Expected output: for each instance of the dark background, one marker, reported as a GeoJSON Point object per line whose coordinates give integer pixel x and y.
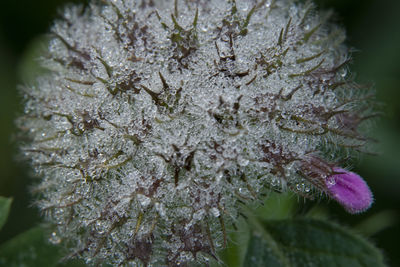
{"type": "Point", "coordinates": [373, 29]}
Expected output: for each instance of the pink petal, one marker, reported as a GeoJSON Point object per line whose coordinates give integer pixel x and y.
{"type": "Point", "coordinates": [350, 190]}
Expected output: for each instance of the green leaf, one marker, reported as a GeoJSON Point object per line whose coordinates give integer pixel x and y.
{"type": "Point", "coordinates": [305, 242]}
{"type": "Point", "coordinates": [32, 249]}
{"type": "Point", "coordinates": [377, 222]}
{"type": "Point", "coordinates": [29, 249]}
{"type": "Point", "coordinates": [5, 204]}
{"type": "Point", "coordinates": [235, 250]}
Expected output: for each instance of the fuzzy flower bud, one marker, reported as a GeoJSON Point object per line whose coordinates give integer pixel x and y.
{"type": "Point", "coordinates": [350, 190]}
{"type": "Point", "coordinates": [157, 119]}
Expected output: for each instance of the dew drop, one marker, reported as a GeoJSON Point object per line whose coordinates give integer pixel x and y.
{"type": "Point", "coordinates": [343, 72]}
{"type": "Point", "coordinates": [331, 181]}
{"type": "Point", "coordinates": [81, 126]}
{"type": "Point", "coordinates": [100, 227]}
{"type": "Point", "coordinates": [54, 238]}
{"type": "Point", "coordinates": [275, 181]}
{"type": "Point", "coordinates": [242, 161]}
{"type": "Point", "coordinates": [214, 211]}
{"type": "Point", "coordinates": [204, 28]}
{"type": "Point", "coordinates": [298, 187]}
{"type": "Point", "coordinates": [144, 200]}
{"type": "Point", "coordinates": [219, 176]}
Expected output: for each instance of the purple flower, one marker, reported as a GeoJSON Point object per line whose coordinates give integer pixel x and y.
{"type": "Point", "coordinates": [350, 190]}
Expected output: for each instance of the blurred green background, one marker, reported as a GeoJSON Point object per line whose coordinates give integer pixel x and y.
{"type": "Point", "coordinates": [373, 28]}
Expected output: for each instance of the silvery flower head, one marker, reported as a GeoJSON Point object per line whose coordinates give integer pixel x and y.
{"type": "Point", "coordinates": [157, 119]}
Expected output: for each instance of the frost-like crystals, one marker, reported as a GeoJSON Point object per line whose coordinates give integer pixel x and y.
{"type": "Point", "coordinates": [350, 190]}
{"type": "Point", "coordinates": [157, 119]}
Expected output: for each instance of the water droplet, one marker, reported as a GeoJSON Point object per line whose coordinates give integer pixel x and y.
{"type": "Point", "coordinates": [331, 181]}
{"type": "Point", "coordinates": [161, 209]}
{"type": "Point", "coordinates": [214, 211]}
{"type": "Point", "coordinates": [242, 161]}
{"type": "Point", "coordinates": [81, 126]}
{"type": "Point", "coordinates": [298, 187]}
{"type": "Point", "coordinates": [144, 201]}
{"type": "Point", "coordinates": [54, 238]}
{"type": "Point", "coordinates": [198, 216]}
{"type": "Point", "coordinates": [219, 176]}
{"type": "Point", "coordinates": [100, 227]}
{"type": "Point", "coordinates": [343, 72]}
{"type": "Point", "coordinates": [275, 181]}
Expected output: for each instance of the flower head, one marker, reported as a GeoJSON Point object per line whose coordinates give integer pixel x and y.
{"type": "Point", "coordinates": [158, 118]}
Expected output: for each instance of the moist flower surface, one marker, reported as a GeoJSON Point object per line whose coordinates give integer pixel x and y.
{"type": "Point", "coordinates": [156, 120]}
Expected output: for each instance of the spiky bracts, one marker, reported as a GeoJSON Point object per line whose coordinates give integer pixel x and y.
{"type": "Point", "coordinates": [158, 118]}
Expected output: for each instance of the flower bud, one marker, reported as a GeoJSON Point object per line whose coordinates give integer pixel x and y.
{"type": "Point", "coordinates": [350, 190]}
